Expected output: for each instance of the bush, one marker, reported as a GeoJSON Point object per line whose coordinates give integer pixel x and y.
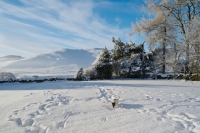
{"type": "Point", "coordinates": [91, 73]}
{"type": "Point", "coordinates": [7, 76]}
{"type": "Point", "coordinates": [195, 77]}
{"type": "Point", "coordinates": [79, 75]}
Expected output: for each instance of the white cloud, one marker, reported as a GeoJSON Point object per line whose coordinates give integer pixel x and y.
{"type": "Point", "coordinates": [44, 25]}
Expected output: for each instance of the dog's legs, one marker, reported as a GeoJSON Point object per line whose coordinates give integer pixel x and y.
{"type": "Point", "coordinates": [113, 104]}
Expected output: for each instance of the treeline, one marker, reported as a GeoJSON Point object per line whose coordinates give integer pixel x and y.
{"type": "Point", "coordinates": [128, 60]}
{"type": "Point", "coordinates": [125, 60]}
{"type": "Point", "coordinates": [11, 80]}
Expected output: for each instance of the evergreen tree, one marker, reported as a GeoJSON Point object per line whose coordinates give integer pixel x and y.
{"type": "Point", "coordinates": [119, 48]}
{"type": "Point", "coordinates": [131, 60]}
{"type": "Point", "coordinates": [104, 65]}
{"type": "Point", "coordinates": [118, 54]}
{"type": "Point", "coordinates": [79, 74]}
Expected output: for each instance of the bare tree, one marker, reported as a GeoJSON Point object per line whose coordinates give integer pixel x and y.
{"type": "Point", "coordinates": [184, 14]}
{"type": "Point", "coordinates": [169, 17]}
{"type": "Point", "coordinates": [159, 29]}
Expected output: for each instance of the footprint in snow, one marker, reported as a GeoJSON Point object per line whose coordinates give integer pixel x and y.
{"type": "Point", "coordinates": [104, 119]}
{"type": "Point", "coordinates": [38, 110]}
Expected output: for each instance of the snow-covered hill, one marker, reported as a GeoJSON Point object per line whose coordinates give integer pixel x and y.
{"type": "Point", "coordinates": [5, 60]}
{"type": "Point", "coordinates": [62, 61]}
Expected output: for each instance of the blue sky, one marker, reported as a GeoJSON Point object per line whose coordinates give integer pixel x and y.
{"type": "Point", "coordinates": [31, 27]}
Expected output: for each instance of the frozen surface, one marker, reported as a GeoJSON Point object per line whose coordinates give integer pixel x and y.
{"type": "Point", "coordinates": [145, 106]}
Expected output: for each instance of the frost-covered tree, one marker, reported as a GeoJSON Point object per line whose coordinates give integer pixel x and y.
{"type": "Point", "coordinates": [123, 62]}
{"type": "Point", "coordinates": [158, 28]}
{"type": "Point", "coordinates": [91, 72]}
{"type": "Point", "coordinates": [136, 60]}
{"type": "Point", "coordinates": [6, 76]}
{"type": "Point", "coordinates": [173, 59]}
{"type": "Point", "coordinates": [117, 55]}
{"type": "Point", "coordinates": [104, 65]}
{"type": "Point", "coordinates": [131, 61]}
{"type": "Point", "coordinates": [184, 13]}
{"type": "Point", "coordinates": [173, 23]}
{"type": "Point", "coordinates": [118, 51]}
{"type": "Point", "coordinates": [194, 42]}
{"type": "Point", "coordinates": [79, 75]}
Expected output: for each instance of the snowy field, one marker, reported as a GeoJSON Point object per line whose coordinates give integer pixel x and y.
{"type": "Point", "coordinates": [145, 106]}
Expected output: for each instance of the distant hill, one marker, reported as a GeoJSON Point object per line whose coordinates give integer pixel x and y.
{"type": "Point", "coordinates": [5, 60]}
{"type": "Point", "coordinates": [11, 57]}
{"type": "Point", "coordinates": [62, 61]}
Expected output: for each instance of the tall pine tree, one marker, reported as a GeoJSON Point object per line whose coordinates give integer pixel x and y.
{"type": "Point", "coordinates": [104, 65]}
{"type": "Point", "coordinates": [117, 55]}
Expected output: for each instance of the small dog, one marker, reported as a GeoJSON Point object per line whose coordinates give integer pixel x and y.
{"type": "Point", "coordinates": [115, 103]}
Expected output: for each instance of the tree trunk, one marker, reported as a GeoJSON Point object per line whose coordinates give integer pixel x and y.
{"type": "Point", "coordinates": [164, 50]}
{"type": "Point", "coordinates": [197, 51]}
{"type": "Point", "coordinates": [187, 51]}
{"type": "Point", "coordinates": [187, 43]}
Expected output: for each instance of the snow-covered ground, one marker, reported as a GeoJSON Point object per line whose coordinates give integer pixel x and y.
{"type": "Point", "coordinates": [145, 106]}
